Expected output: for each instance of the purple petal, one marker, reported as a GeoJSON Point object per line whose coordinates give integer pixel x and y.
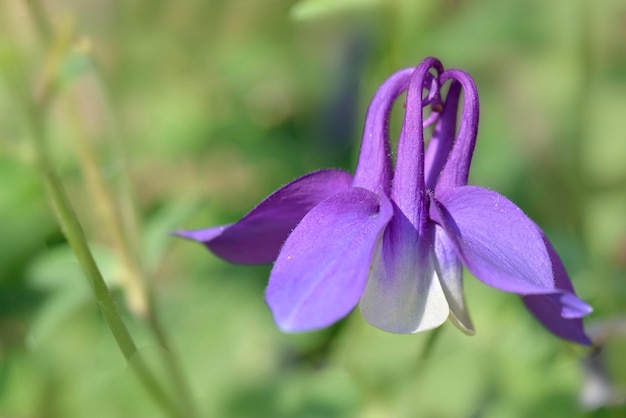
{"type": "Point", "coordinates": [502, 247]}
{"type": "Point", "coordinates": [450, 273]}
{"type": "Point", "coordinates": [203, 235]}
{"type": "Point", "coordinates": [321, 271]}
{"type": "Point", "coordinates": [548, 309]}
{"type": "Point", "coordinates": [258, 236]}
{"type": "Point", "coordinates": [560, 313]}
{"type": "Point", "coordinates": [403, 294]}
{"type": "Point", "coordinates": [497, 242]}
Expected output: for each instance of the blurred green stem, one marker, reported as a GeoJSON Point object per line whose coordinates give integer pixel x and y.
{"type": "Point", "coordinates": [35, 111]}
{"type": "Point", "coordinates": [76, 238]}
{"type": "Point", "coordinates": [109, 218]}
{"type": "Point", "coordinates": [433, 337]}
{"type": "Point", "coordinates": [140, 297]}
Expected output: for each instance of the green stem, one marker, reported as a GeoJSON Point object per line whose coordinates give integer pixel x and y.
{"type": "Point", "coordinates": [433, 337]}
{"type": "Point", "coordinates": [76, 238]}
{"type": "Point", "coordinates": [141, 298]}
{"type": "Point", "coordinates": [139, 294]}
{"type": "Point", "coordinates": [173, 367]}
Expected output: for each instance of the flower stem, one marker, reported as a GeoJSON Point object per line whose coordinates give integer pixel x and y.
{"type": "Point", "coordinates": [122, 235]}
{"type": "Point", "coordinates": [34, 110]}
{"type": "Point", "coordinates": [433, 337]}
{"type": "Point", "coordinates": [140, 298]}
{"type": "Point", "coordinates": [173, 366]}
{"type": "Point", "coordinates": [76, 238]}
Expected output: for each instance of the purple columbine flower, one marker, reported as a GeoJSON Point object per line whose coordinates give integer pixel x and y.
{"type": "Point", "coordinates": [396, 242]}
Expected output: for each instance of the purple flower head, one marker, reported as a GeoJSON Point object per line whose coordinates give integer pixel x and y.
{"type": "Point", "coordinates": [395, 239]}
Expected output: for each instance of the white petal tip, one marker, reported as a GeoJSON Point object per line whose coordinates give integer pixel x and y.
{"type": "Point", "coordinates": [464, 325]}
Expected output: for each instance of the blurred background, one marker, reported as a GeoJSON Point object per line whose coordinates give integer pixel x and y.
{"type": "Point", "coordinates": [168, 115]}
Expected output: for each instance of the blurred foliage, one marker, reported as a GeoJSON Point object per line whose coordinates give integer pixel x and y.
{"type": "Point", "coordinates": [198, 109]}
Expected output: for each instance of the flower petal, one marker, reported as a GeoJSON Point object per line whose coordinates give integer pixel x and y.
{"type": "Point", "coordinates": [403, 294]}
{"type": "Point", "coordinates": [560, 313]}
{"type": "Point", "coordinates": [548, 310]}
{"type": "Point", "coordinates": [497, 242]}
{"type": "Point", "coordinates": [450, 273]}
{"type": "Point", "coordinates": [502, 247]}
{"type": "Point", "coordinates": [203, 235]}
{"type": "Point", "coordinates": [258, 236]}
{"type": "Point", "coordinates": [321, 271]}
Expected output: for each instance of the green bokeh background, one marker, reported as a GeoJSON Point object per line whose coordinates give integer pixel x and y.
{"type": "Point", "coordinates": [208, 106]}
